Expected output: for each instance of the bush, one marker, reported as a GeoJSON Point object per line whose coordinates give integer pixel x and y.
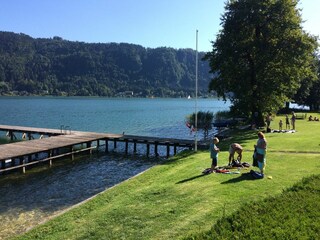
{"type": "Point", "coordinates": [204, 121]}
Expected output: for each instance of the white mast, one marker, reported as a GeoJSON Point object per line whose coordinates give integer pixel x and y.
{"type": "Point", "coordinates": [196, 101]}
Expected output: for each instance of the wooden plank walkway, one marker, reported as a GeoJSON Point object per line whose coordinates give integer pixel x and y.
{"type": "Point", "coordinates": [21, 154]}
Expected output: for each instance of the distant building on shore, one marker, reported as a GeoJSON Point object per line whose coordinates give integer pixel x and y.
{"type": "Point", "coordinates": [125, 94]}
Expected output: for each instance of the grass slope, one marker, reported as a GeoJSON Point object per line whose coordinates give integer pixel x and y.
{"type": "Point", "coordinates": [174, 200]}
{"type": "Point", "coordinates": [292, 215]}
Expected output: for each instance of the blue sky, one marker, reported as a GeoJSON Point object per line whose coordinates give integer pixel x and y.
{"type": "Point", "coordinates": [150, 23]}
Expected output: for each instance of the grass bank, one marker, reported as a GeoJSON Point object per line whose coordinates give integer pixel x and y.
{"type": "Point", "coordinates": [174, 200]}
{"type": "Point", "coordinates": [292, 215]}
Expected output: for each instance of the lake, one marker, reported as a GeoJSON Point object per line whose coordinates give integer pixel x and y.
{"type": "Point", "coordinates": [145, 116]}
{"type": "Point", "coordinates": [28, 199]}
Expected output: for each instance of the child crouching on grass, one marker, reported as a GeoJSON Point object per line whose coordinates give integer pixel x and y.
{"type": "Point", "coordinates": [214, 151]}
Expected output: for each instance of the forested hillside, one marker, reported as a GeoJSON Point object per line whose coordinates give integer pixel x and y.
{"type": "Point", "coordinates": [55, 66]}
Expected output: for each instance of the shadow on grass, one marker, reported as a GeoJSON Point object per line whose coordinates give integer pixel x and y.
{"type": "Point", "coordinates": [242, 177]}
{"type": "Point", "coordinates": [180, 156]}
{"type": "Point", "coordinates": [192, 178]}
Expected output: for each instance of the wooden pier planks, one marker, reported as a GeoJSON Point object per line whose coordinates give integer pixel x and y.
{"type": "Point", "coordinates": [46, 131]}
{"type": "Point", "coordinates": [56, 139]}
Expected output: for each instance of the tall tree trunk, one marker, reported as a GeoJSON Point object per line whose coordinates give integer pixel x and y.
{"type": "Point", "coordinates": [257, 118]}
{"type": "Point", "coordinates": [256, 113]}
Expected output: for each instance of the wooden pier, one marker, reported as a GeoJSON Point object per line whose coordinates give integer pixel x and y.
{"type": "Point", "coordinates": [57, 143]}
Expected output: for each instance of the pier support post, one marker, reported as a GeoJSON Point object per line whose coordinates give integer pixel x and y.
{"type": "Point", "coordinates": [134, 146]}
{"type": "Point", "coordinates": [89, 146]}
{"type": "Point", "coordinates": [12, 136]}
{"type": "Point", "coordinates": [148, 149]}
{"type": "Point", "coordinates": [24, 168]}
{"type": "Point", "coordinates": [175, 149]}
{"type": "Point", "coordinates": [107, 146]}
{"type": "Point", "coordinates": [21, 163]}
{"type": "Point", "coordinates": [156, 149]}
{"type": "Point", "coordinates": [49, 156]}
{"type": "Point", "coordinates": [98, 145]}
{"type": "Point", "coordinates": [168, 150]}
{"type": "Point", "coordinates": [127, 146]}
{"type": "Point", "coordinates": [29, 136]}
{"type": "Point", "coordinates": [72, 154]}
{"type": "Point", "coordinates": [3, 164]}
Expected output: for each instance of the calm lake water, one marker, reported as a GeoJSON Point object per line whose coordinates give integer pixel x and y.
{"type": "Point", "coordinates": [152, 117]}
{"type": "Point", "coordinates": [28, 199]}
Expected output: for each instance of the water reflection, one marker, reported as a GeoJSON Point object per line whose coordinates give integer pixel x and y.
{"type": "Point", "coordinates": [26, 200]}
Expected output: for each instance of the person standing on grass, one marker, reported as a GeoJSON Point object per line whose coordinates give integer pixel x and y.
{"type": "Point", "coordinates": [293, 121]}
{"type": "Point", "coordinates": [235, 148]}
{"type": "Point", "coordinates": [214, 151]}
{"type": "Point", "coordinates": [280, 125]}
{"type": "Point", "coordinates": [268, 120]}
{"type": "Point", "coordinates": [260, 151]}
{"type": "Point", "coordinates": [287, 122]}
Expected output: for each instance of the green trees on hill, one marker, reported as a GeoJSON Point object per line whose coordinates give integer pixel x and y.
{"type": "Point", "coordinates": [59, 67]}
{"type": "Point", "coordinates": [262, 55]}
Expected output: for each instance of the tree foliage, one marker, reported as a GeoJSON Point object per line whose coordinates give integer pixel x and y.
{"type": "Point", "coordinates": [59, 67]}
{"type": "Point", "coordinates": [309, 92]}
{"type": "Point", "coordinates": [261, 55]}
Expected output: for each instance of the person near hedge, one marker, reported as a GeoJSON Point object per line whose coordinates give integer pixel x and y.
{"type": "Point", "coordinates": [260, 152]}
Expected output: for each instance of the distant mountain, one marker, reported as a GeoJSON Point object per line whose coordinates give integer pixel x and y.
{"type": "Point", "coordinates": [30, 66]}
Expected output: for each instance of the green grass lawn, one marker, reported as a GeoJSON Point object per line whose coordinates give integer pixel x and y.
{"type": "Point", "coordinates": [174, 200]}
